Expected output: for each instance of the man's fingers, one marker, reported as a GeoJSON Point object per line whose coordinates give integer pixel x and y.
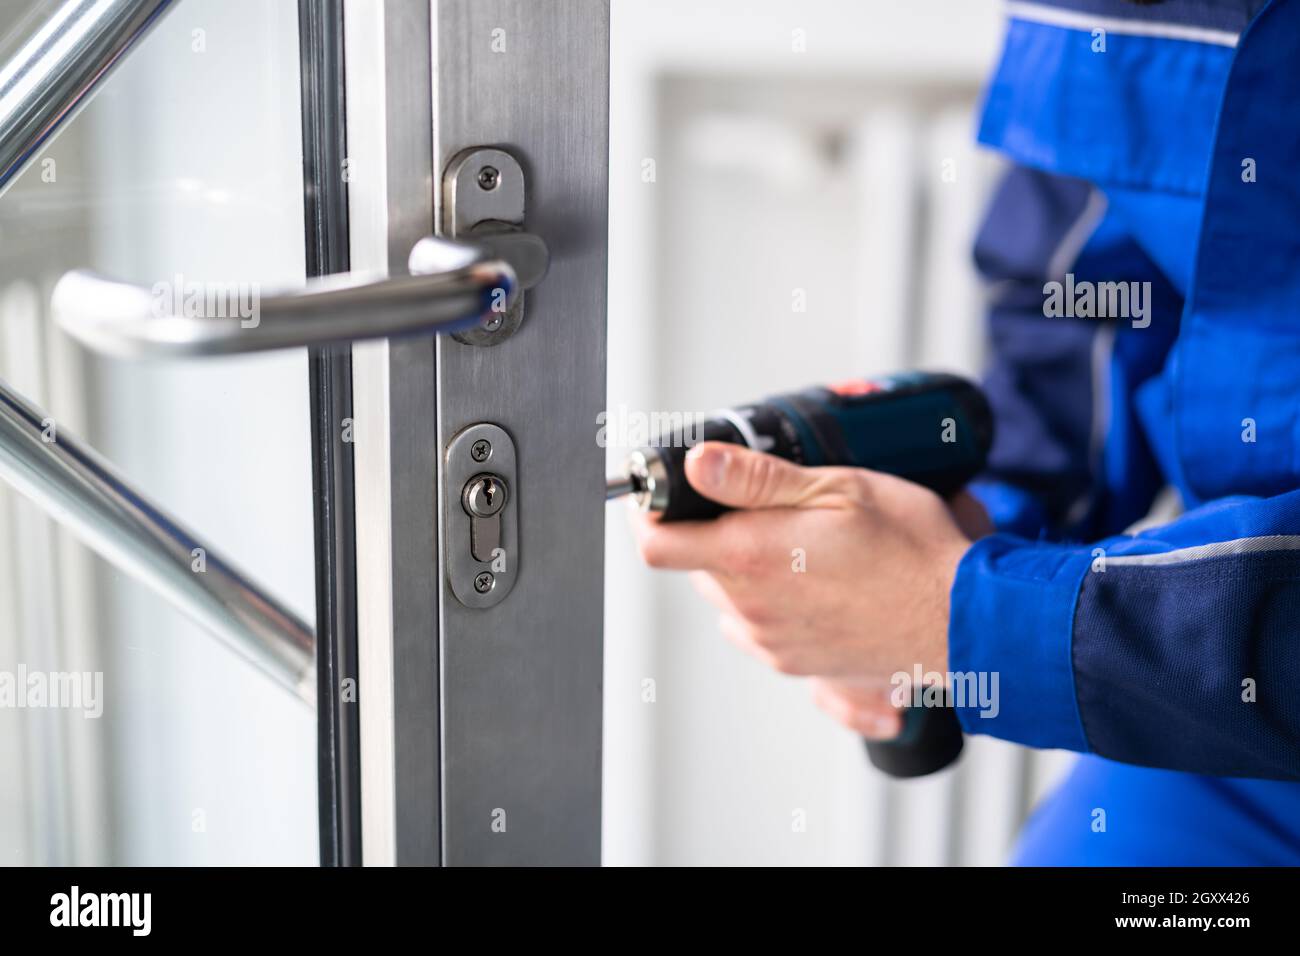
{"type": "Point", "coordinates": [748, 481]}
{"type": "Point", "coordinates": [742, 478]}
{"type": "Point", "coordinates": [970, 515]}
{"type": "Point", "coordinates": [680, 546]}
{"type": "Point", "coordinates": [707, 586]}
{"type": "Point", "coordinates": [864, 710]}
{"type": "Point", "coordinates": [739, 633]}
{"type": "Point", "coordinates": [736, 544]}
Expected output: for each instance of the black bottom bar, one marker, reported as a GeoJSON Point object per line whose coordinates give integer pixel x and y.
{"type": "Point", "coordinates": [946, 907]}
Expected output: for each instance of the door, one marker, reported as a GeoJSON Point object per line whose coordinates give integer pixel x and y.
{"type": "Point", "coordinates": [242, 148]}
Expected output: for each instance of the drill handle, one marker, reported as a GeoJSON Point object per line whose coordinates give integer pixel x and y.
{"type": "Point", "coordinates": [931, 740]}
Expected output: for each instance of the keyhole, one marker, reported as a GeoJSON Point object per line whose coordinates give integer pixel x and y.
{"type": "Point", "coordinates": [484, 496]}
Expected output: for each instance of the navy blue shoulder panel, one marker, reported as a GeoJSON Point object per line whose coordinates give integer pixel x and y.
{"type": "Point", "coordinates": [1048, 379]}
{"type": "Point", "coordinates": [1193, 666]}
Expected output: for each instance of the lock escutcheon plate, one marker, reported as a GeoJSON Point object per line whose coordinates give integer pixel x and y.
{"type": "Point", "coordinates": [480, 485]}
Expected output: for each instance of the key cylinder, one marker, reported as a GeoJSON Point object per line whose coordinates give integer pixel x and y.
{"type": "Point", "coordinates": [483, 499]}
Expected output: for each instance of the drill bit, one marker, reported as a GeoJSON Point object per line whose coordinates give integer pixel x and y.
{"type": "Point", "coordinates": [616, 486]}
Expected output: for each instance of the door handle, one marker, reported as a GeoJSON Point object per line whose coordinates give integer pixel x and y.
{"type": "Point", "coordinates": [452, 286]}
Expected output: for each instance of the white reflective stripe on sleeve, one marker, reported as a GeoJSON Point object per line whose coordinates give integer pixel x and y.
{"type": "Point", "coordinates": [1220, 549]}
{"type": "Point", "coordinates": [1078, 20]}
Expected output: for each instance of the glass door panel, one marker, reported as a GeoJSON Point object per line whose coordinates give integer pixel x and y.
{"type": "Point", "coordinates": [184, 174]}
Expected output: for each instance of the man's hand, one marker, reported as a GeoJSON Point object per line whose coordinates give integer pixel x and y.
{"type": "Point", "coordinates": [838, 573]}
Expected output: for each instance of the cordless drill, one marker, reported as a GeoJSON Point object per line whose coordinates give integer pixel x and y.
{"type": "Point", "coordinates": [931, 428]}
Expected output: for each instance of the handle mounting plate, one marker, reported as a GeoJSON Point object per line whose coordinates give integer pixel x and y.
{"type": "Point", "coordinates": [483, 196]}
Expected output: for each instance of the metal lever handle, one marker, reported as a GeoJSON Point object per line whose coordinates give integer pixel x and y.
{"type": "Point", "coordinates": [452, 287]}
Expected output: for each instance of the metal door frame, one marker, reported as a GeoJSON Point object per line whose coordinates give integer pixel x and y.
{"type": "Point", "coordinates": [325, 206]}
{"type": "Point", "coordinates": [480, 729]}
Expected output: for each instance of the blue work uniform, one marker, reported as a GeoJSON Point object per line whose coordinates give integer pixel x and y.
{"type": "Point", "coordinates": [1156, 155]}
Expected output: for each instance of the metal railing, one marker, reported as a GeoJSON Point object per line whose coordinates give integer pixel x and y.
{"type": "Point", "coordinates": [82, 491]}
{"type": "Point", "coordinates": [52, 76]}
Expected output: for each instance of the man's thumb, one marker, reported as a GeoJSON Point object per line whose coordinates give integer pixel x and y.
{"type": "Point", "coordinates": [742, 478]}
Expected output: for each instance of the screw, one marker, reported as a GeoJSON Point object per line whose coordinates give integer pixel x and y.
{"type": "Point", "coordinates": [488, 177]}
{"type": "Point", "coordinates": [480, 450]}
{"type": "Point", "coordinates": [493, 322]}
{"type": "Point", "coordinates": [483, 583]}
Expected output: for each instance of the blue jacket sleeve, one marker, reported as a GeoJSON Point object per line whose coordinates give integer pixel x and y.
{"type": "Point", "coordinates": [1176, 648]}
